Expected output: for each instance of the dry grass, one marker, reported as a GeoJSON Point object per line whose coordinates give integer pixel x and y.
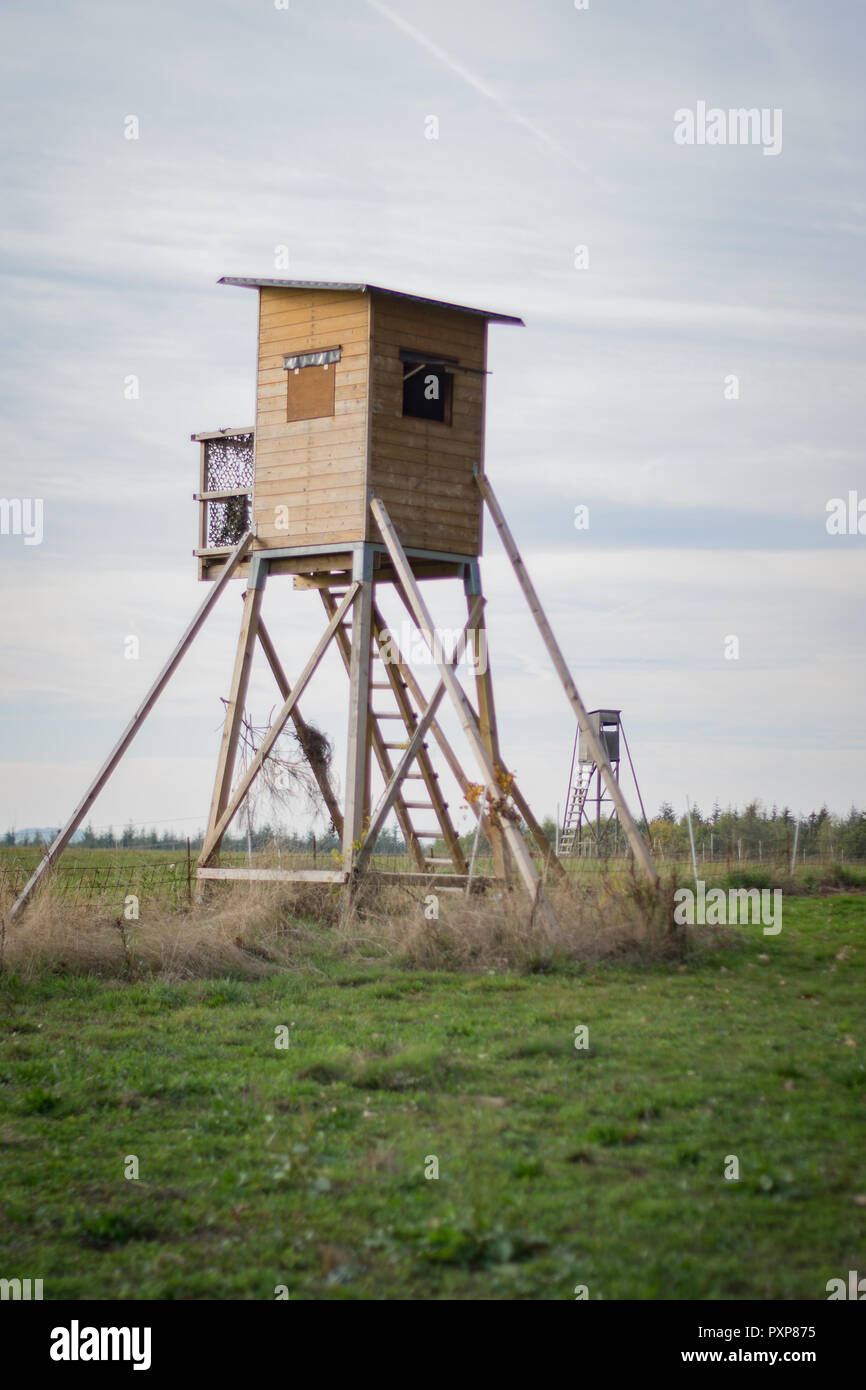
{"type": "Point", "coordinates": [250, 931]}
{"type": "Point", "coordinates": [238, 935]}
{"type": "Point", "coordinates": [499, 931]}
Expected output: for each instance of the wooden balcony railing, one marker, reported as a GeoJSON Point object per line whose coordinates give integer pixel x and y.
{"type": "Point", "coordinates": [225, 489]}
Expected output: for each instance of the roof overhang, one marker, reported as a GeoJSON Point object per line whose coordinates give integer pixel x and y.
{"type": "Point", "coordinates": [253, 283]}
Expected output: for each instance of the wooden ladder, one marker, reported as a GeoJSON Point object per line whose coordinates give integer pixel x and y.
{"type": "Point", "coordinates": [384, 741]}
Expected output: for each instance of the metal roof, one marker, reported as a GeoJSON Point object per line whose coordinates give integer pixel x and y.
{"type": "Point", "coordinates": [365, 289]}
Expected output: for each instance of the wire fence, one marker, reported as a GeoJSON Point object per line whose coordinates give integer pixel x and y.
{"type": "Point", "coordinates": [111, 883]}
{"type": "Point", "coordinates": [173, 882]}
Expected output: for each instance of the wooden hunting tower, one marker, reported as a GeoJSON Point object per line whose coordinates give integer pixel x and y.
{"type": "Point", "coordinates": [365, 466]}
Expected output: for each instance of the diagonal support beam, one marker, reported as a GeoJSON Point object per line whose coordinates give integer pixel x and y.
{"type": "Point", "coordinates": [381, 813]}
{"type": "Point", "coordinates": [65, 835]}
{"type": "Point", "coordinates": [457, 695]}
{"type": "Point", "coordinates": [596, 745]}
{"type": "Point", "coordinates": [276, 728]}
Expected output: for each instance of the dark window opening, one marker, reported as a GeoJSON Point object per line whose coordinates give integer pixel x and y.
{"type": "Point", "coordinates": [428, 387]}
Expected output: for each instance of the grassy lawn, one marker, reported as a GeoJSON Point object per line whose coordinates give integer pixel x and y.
{"type": "Point", "coordinates": [304, 1166]}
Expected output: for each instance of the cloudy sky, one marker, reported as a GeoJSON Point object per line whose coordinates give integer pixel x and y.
{"type": "Point", "coordinates": [307, 126]}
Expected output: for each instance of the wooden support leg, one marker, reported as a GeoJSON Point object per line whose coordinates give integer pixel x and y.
{"type": "Point", "coordinates": [514, 839]}
{"type": "Point", "coordinates": [234, 716]}
{"type": "Point", "coordinates": [357, 783]}
{"type": "Point", "coordinates": [489, 732]}
{"type": "Point", "coordinates": [593, 739]}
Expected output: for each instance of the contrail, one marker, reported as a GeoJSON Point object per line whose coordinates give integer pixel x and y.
{"type": "Point", "coordinates": [471, 80]}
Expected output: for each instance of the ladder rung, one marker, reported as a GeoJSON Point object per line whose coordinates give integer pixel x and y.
{"type": "Point", "coordinates": [404, 746]}
{"type": "Point", "coordinates": [384, 714]}
{"type": "Point", "coordinates": [380, 685]}
{"type": "Point", "coordinates": [430, 835]}
{"type": "Point", "coordinates": [417, 776]}
{"type": "Point", "coordinates": [419, 805]}
{"type": "Point", "coordinates": [428, 860]}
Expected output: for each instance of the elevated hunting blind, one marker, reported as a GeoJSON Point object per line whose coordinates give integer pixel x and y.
{"type": "Point", "coordinates": [365, 467]}
{"type": "Point", "coordinates": [359, 388]}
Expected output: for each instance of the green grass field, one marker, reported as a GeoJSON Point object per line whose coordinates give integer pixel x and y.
{"type": "Point", "coordinates": [304, 1166]}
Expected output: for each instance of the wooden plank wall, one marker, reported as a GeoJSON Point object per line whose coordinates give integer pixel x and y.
{"type": "Point", "coordinates": [316, 468]}
{"type": "Point", "coordinates": [422, 469]}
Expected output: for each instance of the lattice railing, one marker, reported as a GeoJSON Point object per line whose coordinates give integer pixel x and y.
{"type": "Point", "coordinates": [225, 496]}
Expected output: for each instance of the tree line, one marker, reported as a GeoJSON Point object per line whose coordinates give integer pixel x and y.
{"type": "Point", "coordinates": [758, 833]}
{"type": "Point", "coordinates": [752, 833]}
{"type": "Point", "coordinates": [263, 837]}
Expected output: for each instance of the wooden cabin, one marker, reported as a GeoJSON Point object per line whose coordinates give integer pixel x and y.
{"type": "Point", "coordinates": [358, 388]}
